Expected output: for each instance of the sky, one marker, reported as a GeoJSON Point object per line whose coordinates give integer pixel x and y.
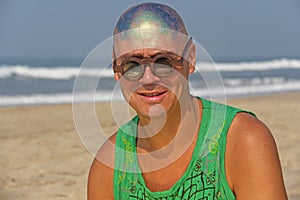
{"type": "Point", "coordinates": [65, 31]}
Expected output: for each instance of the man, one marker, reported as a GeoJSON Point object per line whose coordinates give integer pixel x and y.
{"type": "Point", "coordinates": [178, 146]}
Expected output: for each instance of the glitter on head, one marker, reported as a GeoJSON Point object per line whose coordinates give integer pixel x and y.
{"type": "Point", "coordinates": [150, 15]}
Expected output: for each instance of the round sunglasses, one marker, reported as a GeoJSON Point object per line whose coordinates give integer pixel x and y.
{"type": "Point", "coordinates": [162, 65]}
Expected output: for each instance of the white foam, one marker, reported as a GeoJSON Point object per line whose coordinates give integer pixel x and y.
{"type": "Point", "coordinates": [247, 90]}
{"type": "Point", "coordinates": [283, 63]}
{"type": "Point", "coordinates": [56, 73]}
{"type": "Point", "coordinates": [64, 73]}
{"type": "Point", "coordinates": [230, 91]}
{"type": "Point", "coordinates": [253, 81]}
{"type": "Point", "coordinates": [38, 99]}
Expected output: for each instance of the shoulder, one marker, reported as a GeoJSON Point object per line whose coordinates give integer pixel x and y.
{"type": "Point", "coordinates": [100, 180]}
{"type": "Point", "coordinates": [247, 132]}
{"type": "Point", "coordinates": [248, 129]}
{"type": "Point", "coordinates": [253, 165]}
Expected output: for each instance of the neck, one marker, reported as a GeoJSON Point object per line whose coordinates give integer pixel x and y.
{"type": "Point", "coordinates": [175, 129]}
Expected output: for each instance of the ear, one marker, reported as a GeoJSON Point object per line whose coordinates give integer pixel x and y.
{"type": "Point", "coordinates": [192, 58]}
{"type": "Point", "coordinates": [117, 76]}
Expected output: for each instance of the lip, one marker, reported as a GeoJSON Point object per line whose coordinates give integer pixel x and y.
{"type": "Point", "coordinates": [153, 96]}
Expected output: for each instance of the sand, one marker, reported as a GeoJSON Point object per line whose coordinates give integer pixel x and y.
{"type": "Point", "coordinates": [42, 156]}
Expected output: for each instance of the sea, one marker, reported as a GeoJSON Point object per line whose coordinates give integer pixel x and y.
{"type": "Point", "coordinates": [26, 84]}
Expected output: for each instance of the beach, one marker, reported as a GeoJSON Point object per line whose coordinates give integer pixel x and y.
{"type": "Point", "coordinates": [42, 156]}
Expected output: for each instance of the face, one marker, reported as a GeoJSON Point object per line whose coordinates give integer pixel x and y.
{"type": "Point", "coordinates": [155, 93]}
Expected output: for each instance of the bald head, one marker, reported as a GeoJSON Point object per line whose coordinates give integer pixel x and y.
{"type": "Point", "coordinates": [150, 15]}
{"type": "Point", "coordinates": [149, 26]}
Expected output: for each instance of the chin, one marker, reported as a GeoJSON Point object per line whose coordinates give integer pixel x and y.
{"type": "Point", "coordinates": [155, 111]}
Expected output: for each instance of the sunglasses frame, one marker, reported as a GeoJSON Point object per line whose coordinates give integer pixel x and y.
{"type": "Point", "coordinates": [144, 62]}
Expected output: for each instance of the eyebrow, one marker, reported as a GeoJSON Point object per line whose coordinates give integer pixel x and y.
{"type": "Point", "coordinates": [140, 55]}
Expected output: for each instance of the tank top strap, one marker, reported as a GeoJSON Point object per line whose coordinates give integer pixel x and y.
{"type": "Point", "coordinates": [126, 166]}
{"type": "Point", "coordinates": [218, 120]}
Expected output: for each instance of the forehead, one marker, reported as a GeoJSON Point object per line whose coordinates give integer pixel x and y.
{"type": "Point", "coordinates": [154, 41]}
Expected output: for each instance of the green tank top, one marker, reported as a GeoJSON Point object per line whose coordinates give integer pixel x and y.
{"type": "Point", "coordinates": [205, 176]}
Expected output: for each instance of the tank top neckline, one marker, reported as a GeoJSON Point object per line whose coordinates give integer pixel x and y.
{"type": "Point", "coordinates": [201, 134]}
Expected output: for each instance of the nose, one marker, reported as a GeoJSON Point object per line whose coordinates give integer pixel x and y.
{"type": "Point", "coordinates": [148, 76]}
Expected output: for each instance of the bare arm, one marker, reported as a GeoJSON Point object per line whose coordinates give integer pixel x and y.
{"type": "Point", "coordinates": [100, 181]}
{"type": "Point", "coordinates": [253, 166]}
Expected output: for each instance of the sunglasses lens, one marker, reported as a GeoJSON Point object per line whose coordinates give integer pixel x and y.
{"type": "Point", "coordinates": [163, 66]}
{"type": "Point", "coordinates": [132, 70]}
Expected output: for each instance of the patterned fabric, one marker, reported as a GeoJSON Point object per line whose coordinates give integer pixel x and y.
{"type": "Point", "coordinates": [204, 178]}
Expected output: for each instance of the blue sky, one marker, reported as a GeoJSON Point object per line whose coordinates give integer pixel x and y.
{"type": "Point", "coordinates": [68, 30]}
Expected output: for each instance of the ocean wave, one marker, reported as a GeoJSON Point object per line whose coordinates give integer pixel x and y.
{"type": "Point", "coordinates": [248, 90]}
{"type": "Point", "coordinates": [59, 98]}
{"type": "Point", "coordinates": [65, 73]}
{"type": "Point", "coordinates": [283, 63]}
{"type": "Point", "coordinates": [254, 81]}
{"type": "Point", "coordinates": [53, 73]}
{"type": "Point", "coordinates": [109, 95]}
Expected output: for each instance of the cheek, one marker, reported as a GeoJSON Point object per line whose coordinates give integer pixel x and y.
{"type": "Point", "coordinates": [177, 83]}
{"type": "Point", "coordinates": [127, 88]}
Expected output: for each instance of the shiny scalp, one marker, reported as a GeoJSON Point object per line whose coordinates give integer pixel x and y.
{"type": "Point", "coordinates": [150, 15]}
